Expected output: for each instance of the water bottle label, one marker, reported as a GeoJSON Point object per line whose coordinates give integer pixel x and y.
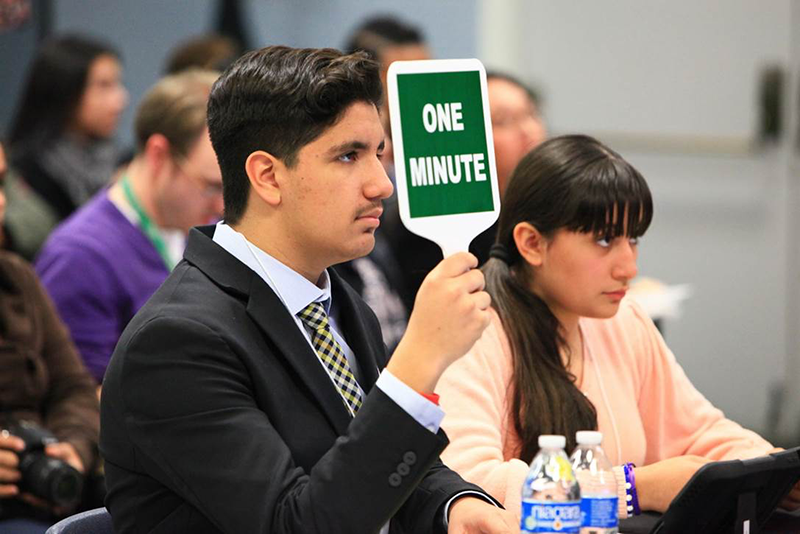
{"type": "Point", "coordinates": [548, 516]}
{"type": "Point", "coordinates": [599, 512]}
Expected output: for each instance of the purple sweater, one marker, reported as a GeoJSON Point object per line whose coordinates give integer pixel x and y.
{"type": "Point", "coordinates": [99, 270]}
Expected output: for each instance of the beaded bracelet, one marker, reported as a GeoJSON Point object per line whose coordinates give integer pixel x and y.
{"type": "Point", "coordinates": [631, 496]}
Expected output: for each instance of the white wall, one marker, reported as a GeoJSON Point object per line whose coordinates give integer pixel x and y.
{"type": "Point", "coordinates": [661, 66]}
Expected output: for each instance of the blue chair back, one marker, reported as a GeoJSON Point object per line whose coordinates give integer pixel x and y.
{"type": "Point", "coordinates": [97, 521]}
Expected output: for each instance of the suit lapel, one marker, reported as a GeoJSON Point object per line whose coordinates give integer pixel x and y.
{"type": "Point", "coordinates": [365, 342]}
{"type": "Point", "coordinates": [271, 316]}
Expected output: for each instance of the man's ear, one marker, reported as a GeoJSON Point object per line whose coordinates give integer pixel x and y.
{"type": "Point", "coordinates": [157, 153]}
{"type": "Point", "coordinates": [262, 169]}
{"type": "Point", "coordinates": [531, 244]}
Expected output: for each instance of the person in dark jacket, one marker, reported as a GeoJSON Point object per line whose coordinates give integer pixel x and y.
{"type": "Point", "coordinates": [43, 382]}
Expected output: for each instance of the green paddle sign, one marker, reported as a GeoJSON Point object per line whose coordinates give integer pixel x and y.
{"type": "Point", "coordinates": [443, 151]}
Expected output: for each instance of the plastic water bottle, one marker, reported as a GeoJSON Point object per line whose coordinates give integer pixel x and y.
{"type": "Point", "coordinates": [598, 485]}
{"type": "Point", "coordinates": [551, 498]}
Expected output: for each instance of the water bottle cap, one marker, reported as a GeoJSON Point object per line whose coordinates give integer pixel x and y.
{"type": "Point", "coordinates": [588, 437]}
{"type": "Point", "coordinates": [552, 442]}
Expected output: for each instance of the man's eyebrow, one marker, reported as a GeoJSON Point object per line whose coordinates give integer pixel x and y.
{"type": "Point", "coordinates": [350, 146]}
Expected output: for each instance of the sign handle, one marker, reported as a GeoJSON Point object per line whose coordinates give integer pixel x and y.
{"type": "Point", "coordinates": [451, 247]}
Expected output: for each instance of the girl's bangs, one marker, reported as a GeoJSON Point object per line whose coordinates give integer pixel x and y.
{"type": "Point", "coordinates": [614, 202]}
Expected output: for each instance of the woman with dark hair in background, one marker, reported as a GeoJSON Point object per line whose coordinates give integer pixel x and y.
{"type": "Point", "coordinates": [566, 351]}
{"type": "Point", "coordinates": [60, 140]}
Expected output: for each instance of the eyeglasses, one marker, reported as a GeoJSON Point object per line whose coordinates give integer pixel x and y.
{"type": "Point", "coordinates": [208, 188]}
{"type": "Point", "coordinates": [515, 120]}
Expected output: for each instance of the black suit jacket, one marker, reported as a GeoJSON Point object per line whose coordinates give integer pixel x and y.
{"type": "Point", "coordinates": [218, 417]}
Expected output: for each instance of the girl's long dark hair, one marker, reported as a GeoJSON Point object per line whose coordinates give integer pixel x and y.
{"type": "Point", "coordinates": [574, 183]}
{"type": "Point", "coordinates": [54, 87]}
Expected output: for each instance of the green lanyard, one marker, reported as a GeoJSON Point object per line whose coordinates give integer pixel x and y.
{"type": "Point", "coordinates": [147, 225]}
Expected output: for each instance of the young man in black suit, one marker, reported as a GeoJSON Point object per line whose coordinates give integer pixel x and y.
{"type": "Point", "coordinates": [247, 395]}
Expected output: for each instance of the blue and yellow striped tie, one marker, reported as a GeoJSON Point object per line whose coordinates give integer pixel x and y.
{"type": "Point", "coordinates": [332, 355]}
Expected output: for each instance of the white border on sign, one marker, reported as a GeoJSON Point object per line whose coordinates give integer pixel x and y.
{"type": "Point", "coordinates": [453, 233]}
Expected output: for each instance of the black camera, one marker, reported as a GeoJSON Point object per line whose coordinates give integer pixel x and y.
{"type": "Point", "coordinates": [51, 479]}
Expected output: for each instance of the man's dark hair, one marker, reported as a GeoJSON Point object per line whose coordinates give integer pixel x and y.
{"type": "Point", "coordinates": [279, 99]}
{"type": "Point", "coordinates": [380, 32]}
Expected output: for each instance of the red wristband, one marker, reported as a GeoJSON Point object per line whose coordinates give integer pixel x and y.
{"type": "Point", "coordinates": [433, 397]}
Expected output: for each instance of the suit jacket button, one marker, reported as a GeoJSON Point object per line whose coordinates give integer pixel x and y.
{"type": "Point", "coordinates": [403, 469]}
{"type": "Point", "coordinates": [395, 480]}
{"type": "Point", "coordinates": [410, 458]}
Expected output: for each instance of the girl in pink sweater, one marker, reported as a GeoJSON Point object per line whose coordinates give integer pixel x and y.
{"type": "Point", "coordinates": [566, 352]}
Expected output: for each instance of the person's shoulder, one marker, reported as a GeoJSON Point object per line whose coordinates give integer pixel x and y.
{"type": "Point", "coordinates": [188, 309]}
{"type": "Point", "coordinates": [96, 230]}
{"type": "Point", "coordinates": [183, 300]}
{"type": "Point", "coordinates": [15, 271]}
{"type": "Point", "coordinates": [189, 293]}
{"type": "Point", "coordinates": [13, 261]}
{"type": "Point", "coordinates": [98, 218]}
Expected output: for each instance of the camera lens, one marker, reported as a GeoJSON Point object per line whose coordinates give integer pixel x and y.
{"type": "Point", "coordinates": [53, 480]}
{"type": "Point", "coordinates": [66, 488]}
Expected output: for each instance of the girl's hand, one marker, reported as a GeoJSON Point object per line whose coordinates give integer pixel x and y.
{"type": "Point", "coordinates": [657, 484]}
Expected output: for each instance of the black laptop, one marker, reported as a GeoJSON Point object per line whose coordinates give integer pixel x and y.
{"type": "Point", "coordinates": [731, 497]}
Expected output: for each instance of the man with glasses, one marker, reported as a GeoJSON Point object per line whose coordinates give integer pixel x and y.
{"type": "Point", "coordinates": [101, 265]}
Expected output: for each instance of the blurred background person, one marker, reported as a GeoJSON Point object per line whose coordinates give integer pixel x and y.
{"type": "Point", "coordinates": [209, 52]}
{"type": "Point", "coordinates": [42, 381]}
{"type": "Point", "coordinates": [517, 128]}
{"type": "Point", "coordinates": [61, 139]}
{"type": "Point", "coordinates": [517, 123]}
{"type": "Point", "coordinates": [102, 265]}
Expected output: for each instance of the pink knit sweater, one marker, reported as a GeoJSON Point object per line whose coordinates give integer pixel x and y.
{"type": "Point", "coordinates": [647, 409]}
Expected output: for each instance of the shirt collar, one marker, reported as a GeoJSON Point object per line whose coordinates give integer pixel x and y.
{"type": "Point", "coordinates": [294, 289]}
